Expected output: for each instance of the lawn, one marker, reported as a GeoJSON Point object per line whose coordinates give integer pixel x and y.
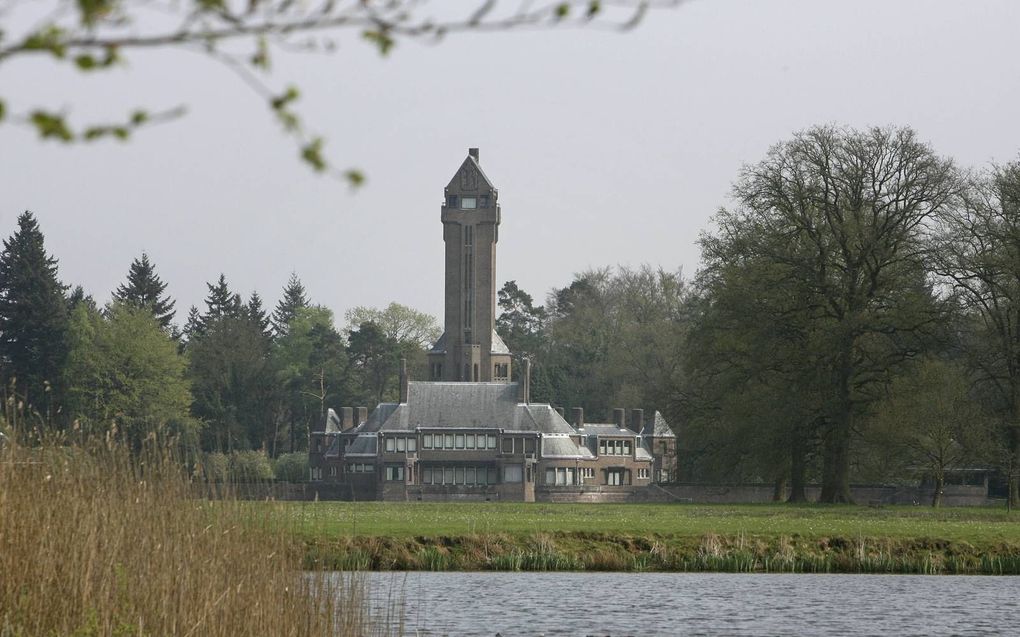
{"type": "Point", "coordinates": [328, 520]}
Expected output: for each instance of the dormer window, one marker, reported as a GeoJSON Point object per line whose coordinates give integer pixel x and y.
{"type": "Point", "coordinates": [468, 203]}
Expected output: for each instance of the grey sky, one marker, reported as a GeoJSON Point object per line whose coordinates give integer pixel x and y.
{"type": "Point", "coordinates": [606, 148]}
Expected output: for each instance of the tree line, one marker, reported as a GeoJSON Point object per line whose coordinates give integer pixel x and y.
{"type": "Point", "coordinates": [855, 319]}
{"type": "Point", "coordinates": [234, 377]}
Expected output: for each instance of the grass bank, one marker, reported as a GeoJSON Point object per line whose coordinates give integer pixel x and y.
{"type": "Point", "coordinates": [98, 541]}
{"type": "Point", "coordinates": [672, 537]}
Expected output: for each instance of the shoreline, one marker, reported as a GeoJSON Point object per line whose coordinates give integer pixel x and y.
{"type": "Point", "coordinates": [612, 552]}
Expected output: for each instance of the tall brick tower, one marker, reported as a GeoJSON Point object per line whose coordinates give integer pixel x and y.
{"type": "Point", "coordinates": [470, 350]}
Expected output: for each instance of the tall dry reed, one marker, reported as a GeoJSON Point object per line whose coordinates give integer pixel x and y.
{"type": "Point", "coordinates": [97, 540]}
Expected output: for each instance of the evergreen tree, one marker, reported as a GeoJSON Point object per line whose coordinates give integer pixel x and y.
{"type": "Point", "coordinates": [193, 325]}
{"type": "Point", "coordinates": [220, 303]}
{"type": "Point", "coordinates": [79, 297]}
{"type": "Point", "coordinates": [144, 289]}
{"type": "Point", "coordinates": [255, 313]}
{"type": "Point", "coordinates": [33, 317]}
{"type": "Point", "coordinates": [294, 299]}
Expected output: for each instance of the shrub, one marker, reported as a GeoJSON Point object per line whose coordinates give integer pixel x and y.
{"type": "Point", "coordinates": [249, 466]}
{"type": "Point", "coordinates": [213, 467]}
{"type": "Point", "coordinates": [292, 467]}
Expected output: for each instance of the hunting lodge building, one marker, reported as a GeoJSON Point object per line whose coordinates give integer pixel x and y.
{"type": "Point", "coordinates": [468, 432]}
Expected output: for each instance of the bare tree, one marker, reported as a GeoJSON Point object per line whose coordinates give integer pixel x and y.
{"type": "Point", "coordinates": [845, 213]}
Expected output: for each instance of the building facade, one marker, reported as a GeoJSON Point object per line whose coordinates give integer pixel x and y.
{"type": "Point", "coordinates": [468, 432]}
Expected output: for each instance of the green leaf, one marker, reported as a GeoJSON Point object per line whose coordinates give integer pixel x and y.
{"type": "Point", "coordinates": [85, 62]}
{"type": "Point", "coordinates": [562, 10]}
{"type": "Point", "coordinates": [48, 39]}
{"type": "Point", "coordinates": [139, 117]}
{"type": "Point", "coordinates": [593, 8]}
{"type": "Point", "coordinates": [260, 59]}
{"type": "Point", "coordinates": [354, 177]}
{"type": "Point", "coordinates": [92, 11]}
{"type": "Point", "coordinates": [51, 125]}
{"type": "Point", "coordinates": [311, 153]}
{"type": "Point", "coordinates": [381, 39]}
{"type": "Point", "coordinates": [287, 97]}
{"type": "Point", "coordinates": [3, 110]}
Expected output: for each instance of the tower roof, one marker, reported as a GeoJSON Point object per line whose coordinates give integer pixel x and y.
{"type": "Point", "coordinates": [470, 178]}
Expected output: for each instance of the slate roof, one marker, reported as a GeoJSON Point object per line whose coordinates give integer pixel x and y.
{"type": "Point", "coordinates": [604, 429]}
{"type": "Point", "coordinates": [470, 163]}
{"type": "Point", "coordinates": [474, 405]}
{"type": "Point", "coordinates": [657, 426]}
{"type": "Point", "coordinates": [498, 346]}
{"type": "Point", "coordinates": [334, 448]}
{"type": "Point", "coordinates": [363, 446]}
{"type": "Point", "coordinates": [563, 447]}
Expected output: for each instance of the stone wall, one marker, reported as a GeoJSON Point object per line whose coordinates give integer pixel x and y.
{"type": "Point", "coordinates": [952, 495]}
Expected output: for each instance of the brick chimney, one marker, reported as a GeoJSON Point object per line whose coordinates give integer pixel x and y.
{"type": "Point", "coordinates": [620, 417]}
{"type": "Point", "coordinates": [360, 415]}
{"type": "Point", "coordinates": [577, 416]}
{"type": "Point", "coordinates": [559, 410]}
{"type": "Point", "coordinates": [474, 153]}
{"type": "Point", "coordinates": [346, 418]}
{"type": "Point", "coordinates": [403, 380]}
{"type": "Point", "coordinates": [524, 384]}
{"type": "Point", "coordinates": [637, 420]}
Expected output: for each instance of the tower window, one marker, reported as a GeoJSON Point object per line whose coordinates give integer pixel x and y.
{"type": "Point", "coordinates": [483, 201]}
{"type": "Point", "coordinates": [451, 201]}
{"type": "Point", "coordinates": [468, 203]}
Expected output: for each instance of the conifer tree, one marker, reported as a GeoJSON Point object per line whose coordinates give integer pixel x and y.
{"type": "Point", "coordinates": [294, 299]}
{"type": "Point", "coordinates": [220, 303]}
{"type": "Point", "coordinates": [193, 325]}
{"type": "Point", "coordinates": [78, 297]}
{"type": "Point", "coordinates": [33, 317]}
{"type": "Point", "coordinates": [255, 313]}
{"type": "Point", "coordinates": [144, 289]}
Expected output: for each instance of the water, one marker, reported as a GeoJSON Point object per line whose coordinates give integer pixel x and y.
{"type": "Point", "coordinates": [620, 604]}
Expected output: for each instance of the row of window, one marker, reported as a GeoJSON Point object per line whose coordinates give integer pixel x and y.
{"type": "Point", "coordinates": [470, 476]}
{"type": "Point", "coordinates": [566, 476]}
{"type": "Point", "coordinates": [614, 447]}
{"type": "Point", "coordinates": [458, 441]}
{"type": "Point", "coordinates": [401, 444]}
{"type": "Point", "coordinates": [395, 472]}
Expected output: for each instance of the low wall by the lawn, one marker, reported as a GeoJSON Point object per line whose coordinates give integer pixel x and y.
{"type": "Point", "coordinates": [953, 495]}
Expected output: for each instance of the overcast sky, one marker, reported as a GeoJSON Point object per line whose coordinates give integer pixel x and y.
{"type": "Point", "coordinates": [606, 148]}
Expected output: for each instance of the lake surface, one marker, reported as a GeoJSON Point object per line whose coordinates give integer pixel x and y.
{"type": "Point", "coordinates": [620, 604]}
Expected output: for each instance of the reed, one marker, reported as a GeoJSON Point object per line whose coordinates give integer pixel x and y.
{"type": "Point", "coordinates": [100, 540]}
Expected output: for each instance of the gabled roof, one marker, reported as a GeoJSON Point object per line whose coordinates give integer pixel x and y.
{"type": "Point", "coordinates": [470, 173]}
{"type": "Point", "coordinates": [474, 405]}
{"type": "Point", "coordinates": [498, 346]}
{"type": "Point", "coordinates": [658, 427]}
